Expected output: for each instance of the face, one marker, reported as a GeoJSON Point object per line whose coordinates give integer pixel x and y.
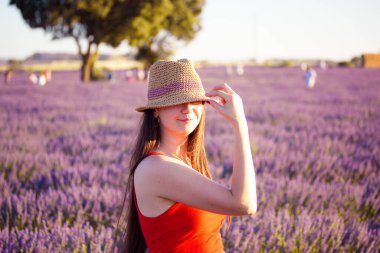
{"type": "Point", "coordinates": [180, 119]}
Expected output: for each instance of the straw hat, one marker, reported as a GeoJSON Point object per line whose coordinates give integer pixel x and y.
{"type": "Point", "coordinates": [173, 83]}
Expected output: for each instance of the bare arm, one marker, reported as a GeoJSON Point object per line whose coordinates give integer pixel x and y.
{"type": "Point", "coordinates": [243, 181]}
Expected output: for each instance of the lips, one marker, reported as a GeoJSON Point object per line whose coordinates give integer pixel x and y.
{"type": "Point", "coordinates": [185, 120]}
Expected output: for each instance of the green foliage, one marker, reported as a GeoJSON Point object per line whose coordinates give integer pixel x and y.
{"type": "Point", "coordinates": [356, 61]}
{"type": "Point", "coordinates": [287, 64]}
{"type": "Point", "coordinates": [297, 244]}
{"type": "Point", "coordinates": [147, 55]}
{"type": "Point", "coordinates": [346, 64]}
{"type": "Point", "coordinates": [14, 65]}
{"type": "Point", "coordinates": [368, 211]}
{"type": "Point", "coordinates": [5, 169]}
{"type": "Point", "coordinates": [151, 26]}
{"type": "Point", "coordinates": [158, 25]}
{"type": "Point", "coordinates": [98, 74]}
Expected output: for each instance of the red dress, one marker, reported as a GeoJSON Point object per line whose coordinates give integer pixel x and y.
{"type": "Point", "coordinates": [182, 228]}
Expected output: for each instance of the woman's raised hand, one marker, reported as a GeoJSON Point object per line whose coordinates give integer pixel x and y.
{"type": "Point", "coordinates": [230, 104]}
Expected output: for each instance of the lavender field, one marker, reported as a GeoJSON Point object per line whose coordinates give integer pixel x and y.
{"type": "Point", "coordinates": [65, 147]}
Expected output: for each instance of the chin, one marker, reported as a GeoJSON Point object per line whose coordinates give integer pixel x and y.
{"type": "Point", "coordinates": [187, 129]}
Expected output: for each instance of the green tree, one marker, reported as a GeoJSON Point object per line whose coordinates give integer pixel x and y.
{"type": "Point", "coordinates": [151, 26]}
{"type": "Point", "coordinates": [181, 22]}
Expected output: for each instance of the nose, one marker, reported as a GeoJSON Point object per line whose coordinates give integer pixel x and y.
{"type": "Point", "coordinates": [185, 107]}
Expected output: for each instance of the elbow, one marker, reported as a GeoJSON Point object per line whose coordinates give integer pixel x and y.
{"type": "Point", "coordinates": [246, 206]}
{"type": "Point", "coordinates": [249, 209]}
{"type": "Point", "coordinates": [252, 210]}
{"type": "Point", "coordinates": [250, 206]}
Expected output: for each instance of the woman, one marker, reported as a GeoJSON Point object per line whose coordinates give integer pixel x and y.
{"type": "Point", "coordinates": [174, 206]}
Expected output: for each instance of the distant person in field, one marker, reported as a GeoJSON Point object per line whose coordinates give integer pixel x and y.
{"type": "Point", "coordinates": [323, 64]}
{"type": "Point", "coordinates": [310, 76]}
{"type": "Point", "coordinates": [229, 71]}
{"type": "Point", "coordinates": [42, 78]}
{"type": "Point", "coordinates": [140, 74]}
{"type": "Point", "coordinates": [32, 77]}
{"type": "Point", "coordinates": [8, 76]}
{"type": "Point", "coordinates": [48, 76]}
{"type": "Point", "coordinates": [173, 204]}
{"type": "Point", "coordinates": [240, 69]}
{"type": "Point", "coordinates": [129, 76]}
{"type": "Point", "coordinates": [109, 75]}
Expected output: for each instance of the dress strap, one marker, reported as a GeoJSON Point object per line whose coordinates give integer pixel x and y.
{"type": "Point", "coordinates": [155, 153]}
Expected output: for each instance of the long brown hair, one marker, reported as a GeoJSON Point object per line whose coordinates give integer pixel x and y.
{"type": "Point", "coordinates": [132, 239]}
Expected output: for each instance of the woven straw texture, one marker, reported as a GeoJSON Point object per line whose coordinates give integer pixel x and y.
{"type": "Point", "coordinates": [173, 83]}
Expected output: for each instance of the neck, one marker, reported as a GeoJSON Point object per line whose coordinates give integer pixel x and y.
{"type": "Point", "coordinates": [175, 147]}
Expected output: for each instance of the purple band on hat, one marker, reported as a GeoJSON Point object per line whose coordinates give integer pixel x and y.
{"type": "Point", "coordinates": [153, 93]}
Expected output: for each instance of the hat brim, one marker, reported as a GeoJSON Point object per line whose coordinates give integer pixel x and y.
{"type": "Point", "coordinates": [186, 100]}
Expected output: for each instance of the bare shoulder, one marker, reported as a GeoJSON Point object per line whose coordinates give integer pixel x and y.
{"type": "Point", "coordinates": [151, 181]}
{"type": "Point", "coordinates": [153, 165]}
{"type": "Point", "coordinates": [157, 174]}
{"type": "Point", "coordinates": [147, 164]}
{"type": "Point", "coordinates": [152, 168]}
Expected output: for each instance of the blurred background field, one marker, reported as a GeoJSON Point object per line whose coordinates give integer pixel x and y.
{"type": "Point", "coordinates": [65, 147]}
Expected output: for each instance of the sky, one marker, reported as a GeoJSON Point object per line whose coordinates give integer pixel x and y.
{"type": "Point", "coordinates": [238, 30]}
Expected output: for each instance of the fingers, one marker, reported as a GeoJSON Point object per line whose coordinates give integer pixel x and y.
{"type": "Point", "coordinates": [216, 105]}
{"type": "Point", "coordinates": [224, 91]}
{"type": "Point", "coordinates": [224, 87]}
{"type": "Point", "coordinates": [226, 102]}
{"type": "Point", "coordinates": [219, 93]}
